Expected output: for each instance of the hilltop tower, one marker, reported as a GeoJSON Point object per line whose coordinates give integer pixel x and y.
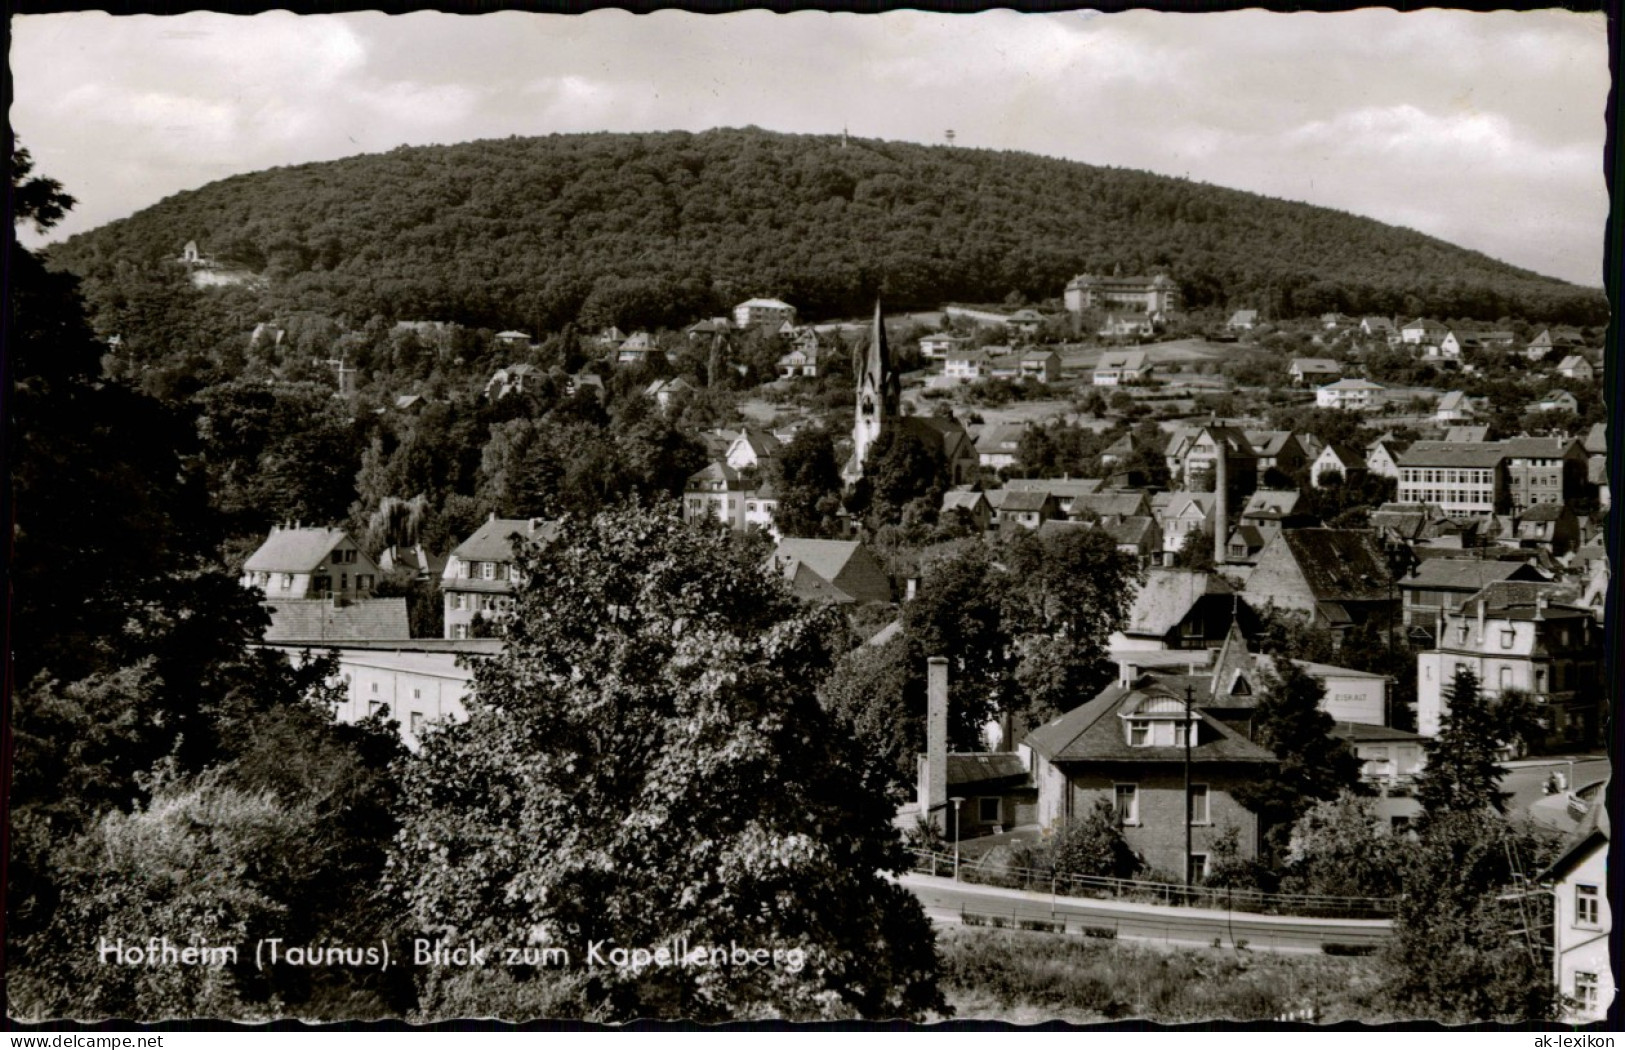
{"type": "Point", "coordinates": [879, 397]}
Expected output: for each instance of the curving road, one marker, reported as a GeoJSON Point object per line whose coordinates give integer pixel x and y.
{"type": "Point", "coordinates": [947, 901]}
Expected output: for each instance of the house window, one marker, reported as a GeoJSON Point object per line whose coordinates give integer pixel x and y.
{"type": "Point", "coordinates": [1198, 867]}
{"type": "Point", "coordinates": [417, 694]}
{"type": "Point", "coordinates": [1199, 807]}
{"type": "Point", "coordinates": [1139, 733]}
{"type": "Point", "coordinates": [460, 631]}
{"type": "Point", "coordinates": [287, 581]}
{"type": "Point", "coordinates": [1180, 731]}
{"type": "Point", "coordinates": [988, 811]}
{"type": "Point", "coordinates": [1585, 905]}
{"type": "Point", "coordinates": [1540, 680]}
{"type": "Point", "coordinates": [375, 687]}
{"type": "Point", "coordinates": [1507, 638]}
{"type": "Point", "coordinates": [1127, 803]}
{"type": "Point", "coordinates": [363, 583]}
{"type": "Point", "coordinates": [417, 721]}
{"type": "Point", "coordinates": [1504, 680]}
{"type": "Point", "coordinates": [1585, 991]}
{"type": "Point", "coordinates": [488, 570]}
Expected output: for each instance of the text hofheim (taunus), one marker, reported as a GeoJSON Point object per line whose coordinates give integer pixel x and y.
{"type": "Point", "coordinates": [677, 953]}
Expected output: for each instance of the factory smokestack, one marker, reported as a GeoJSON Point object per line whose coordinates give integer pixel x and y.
{"type": "Point", "coordinates": [934, 763]}
{"type": "Point", "coordinates": [1221, 500]}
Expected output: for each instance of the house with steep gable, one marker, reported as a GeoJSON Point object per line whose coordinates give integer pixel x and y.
{"type": "Point", "coordinates": [840, 572]}
{"type": "Point", "coordinates": [1583, 918]}
{"type": "Point", "coordinates": [1129, 746]}
{"type": "Point", "coordinates": [1335, 578]}
{"type": "Point", "coordinates": [298, 562]}
{"type": "Point", "coordinates": [482, 572]}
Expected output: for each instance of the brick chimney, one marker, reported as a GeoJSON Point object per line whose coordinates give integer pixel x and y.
{"type": "Point", "coordinates": [934, 763]}
{"type": "Point", "coordinates": [1221, 508]}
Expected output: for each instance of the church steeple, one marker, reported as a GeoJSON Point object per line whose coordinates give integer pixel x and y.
{"type": "Point", "coordinates": [1233, 660]}
{"type": "Point", "coordinates": [879, 396]}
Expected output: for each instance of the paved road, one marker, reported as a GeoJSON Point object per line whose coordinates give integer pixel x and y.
{"type": "Point", "coordinates": [947, 901]}
{"type": "Point", "coordinates": [1526, 780]}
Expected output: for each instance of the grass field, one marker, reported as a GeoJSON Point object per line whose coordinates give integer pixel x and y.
{"type": "Point", "coordinates": [1027, 978]}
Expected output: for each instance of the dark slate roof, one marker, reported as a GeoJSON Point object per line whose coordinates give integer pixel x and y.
{"type": "Point", "coordinates": [846, 565]}
{"type": "Point", "coordinates": [1538, 447]}
{"type": "Point", "coordinates": [492, 541]}
{"type": "Point", "coordinates": [1110, 504]}
{"type": "Point", "coordinates": [1339, 564]}
{"type": "Point", "coordinates": [1546, 512]}
{"type": "Point", "coordinates": [1056, 526]}
{"type": "Point", "coordinates": [294, 550]}
{"type": "Point", "coordinates": [1132, 529]}
{"type": "Point", "coordinates": [1512, 597]}
{"type": "Point", "coordinates": [1024, 501]}
{"type": "Point", "coordinates": [1166, 598]}
{"type": "Point", "coordinates": [320, 620]}
{"type": "Point", "coordinates": [1248, 535]}
{"type": "Point", "coordinates": [1453, 454]}
{"type": "Point", "coordinates": [1060, 488]}
{"type": "Point", "coordinates": [987, 770]}
{"type": "Point", "coordinates": [1268, 443]}
{"type": "Point", "coordinates": [1271, 503]}
{"type": "Point", "coordinates": [1358, 733]}
{"type": "Point", "coordinates": [1093, 732]}
{"type": "Point", "coordinates": [1464, 574]}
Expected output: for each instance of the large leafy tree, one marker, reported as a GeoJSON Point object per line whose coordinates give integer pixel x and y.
{"type": "Point", "coordinates": [1067, 592]}
{"type": "Point", "coordinates": [808, 479]}
{"type": "Point", "coordinates": [1467, 943]}
{"type": "Point", "coordinates": [646, 761]}
{"type": "Point", "coordinates": [136, 684]}
{"type": "Point", "coordinates": [1338, 849]}
{"type": "Point", "coordinates": [1311, 764]}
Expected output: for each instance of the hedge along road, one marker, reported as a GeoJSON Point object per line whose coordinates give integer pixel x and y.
{"type": "Point", "coordinates": [948, 901]}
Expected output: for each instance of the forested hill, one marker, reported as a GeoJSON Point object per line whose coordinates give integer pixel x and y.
{"type": "Point", "coordinates": [658, 229]}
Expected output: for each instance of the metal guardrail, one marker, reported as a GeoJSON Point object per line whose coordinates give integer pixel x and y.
{"type": "Point", "coordinates": [1099, 887]}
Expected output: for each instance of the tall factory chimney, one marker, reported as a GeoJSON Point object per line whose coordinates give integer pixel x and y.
{"type": "Point", "coordinates": [934, 763]}
{"type": "Point", "coordinates": [1221, 500]}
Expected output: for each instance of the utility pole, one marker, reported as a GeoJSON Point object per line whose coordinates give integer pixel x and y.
{"type": "Point", "coordinates": [1188, 728]}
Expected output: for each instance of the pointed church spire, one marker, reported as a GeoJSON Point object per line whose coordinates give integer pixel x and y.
{"type": "Point", "coordinates": [877, 364]}
{"type": "Point", "coordinates": [879, 396]}
{"type": "Point", "coordinates": [1232, 658]}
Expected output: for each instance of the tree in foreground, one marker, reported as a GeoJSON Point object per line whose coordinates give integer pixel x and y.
{"type": "Point", "coordinates": [646, 764]}
{"type": "Point", "coordinates": [1468, 936]}
{"type": "Point", "coordinates": [1313, 765]}
{"type": "Point", "coordinates": [1094, 845]}
{"type": "Point", "coordinates": [1463, 773]}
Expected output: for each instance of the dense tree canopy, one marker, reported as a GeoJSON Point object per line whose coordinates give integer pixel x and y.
{"type": "Point", "coordinates": [653, 229]}
{"type": "Point", "coordinates": [161, 765]}
{"type": "Point", "coordinates": [1313, 766]}
{"type": "Point", "coordinates": [647, 761]}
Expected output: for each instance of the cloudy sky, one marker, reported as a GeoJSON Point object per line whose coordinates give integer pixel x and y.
{"type": "Point", "coordinates": [1484, 129]}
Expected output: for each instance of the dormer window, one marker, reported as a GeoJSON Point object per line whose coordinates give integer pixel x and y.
{"type": "Point", "coordinates": [1139, 733]}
